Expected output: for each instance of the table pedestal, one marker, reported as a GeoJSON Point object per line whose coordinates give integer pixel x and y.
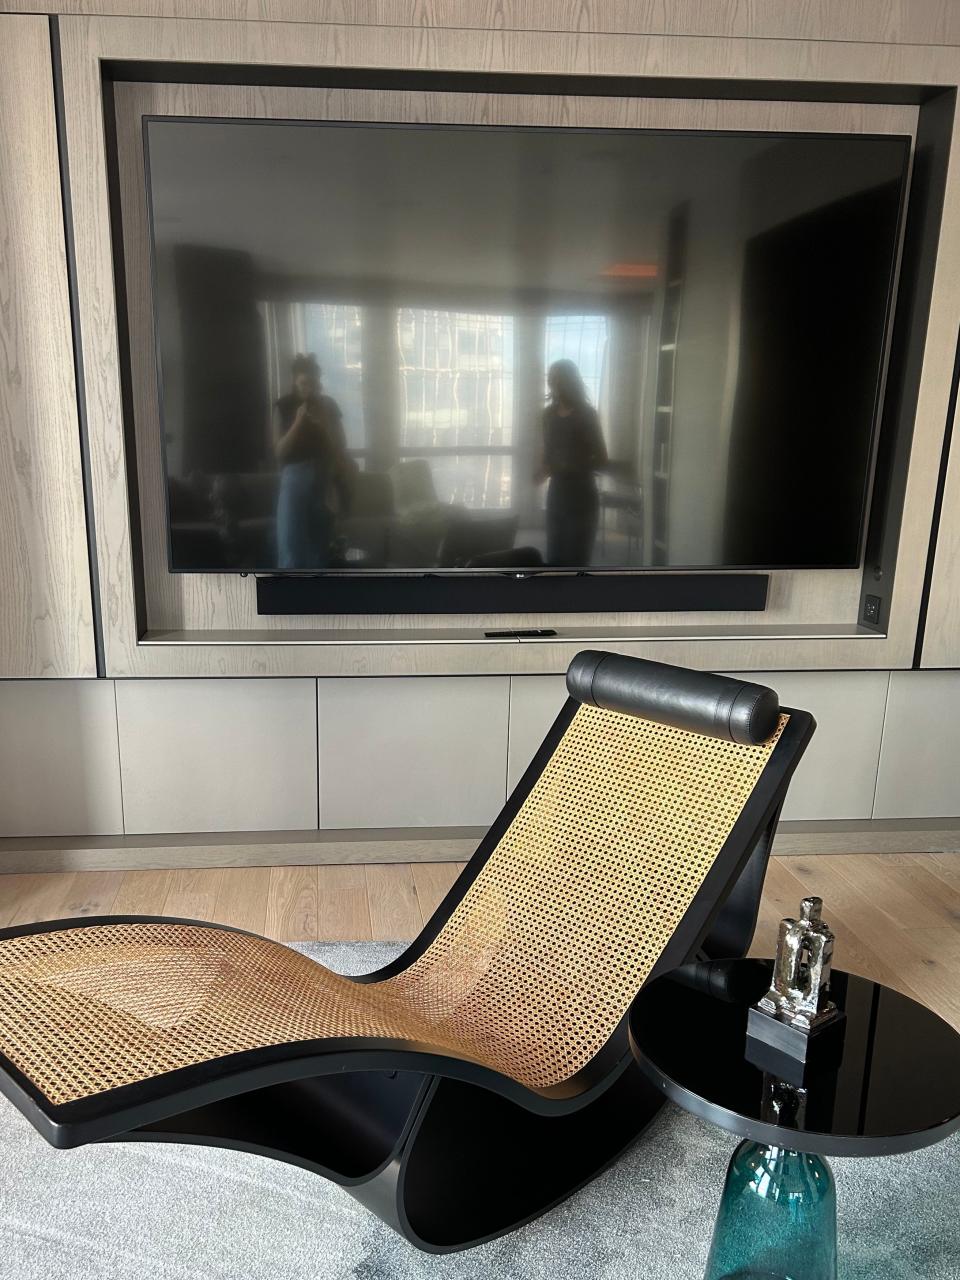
{"type": "Point", "coordinates": [777, 1218]}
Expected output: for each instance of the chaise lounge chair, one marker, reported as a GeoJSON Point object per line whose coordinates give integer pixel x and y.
{"type": "Point", "coordinates": [485, 1074]}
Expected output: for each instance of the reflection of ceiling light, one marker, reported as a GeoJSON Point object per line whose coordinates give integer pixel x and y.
{"type": "Point", "coordinates": [632, 270]}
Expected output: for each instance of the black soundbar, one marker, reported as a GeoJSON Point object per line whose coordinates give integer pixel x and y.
{"type": "Point", "coordinates": [501, 593]}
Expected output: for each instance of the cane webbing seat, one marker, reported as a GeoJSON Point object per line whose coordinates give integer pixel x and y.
{"type": "Point", "coordinates": [636, 840]}
{"type": "Point", "coordinates": [531, 973]}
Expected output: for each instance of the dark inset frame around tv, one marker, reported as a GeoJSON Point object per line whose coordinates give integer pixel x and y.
{"type": "Point", "coordinates": [936, 107]}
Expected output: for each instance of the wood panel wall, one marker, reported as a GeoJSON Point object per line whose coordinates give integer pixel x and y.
{"type": "Point", "coordinates": [588, 46]}
{"type": "Point", "coordinates": [941, 636]}
{"type": "Point", "coordinates": [46, 624]}
{"type": "Point", "coordinates": [877, 21]}
{"type": "Point", "coordinates": [227, 602]}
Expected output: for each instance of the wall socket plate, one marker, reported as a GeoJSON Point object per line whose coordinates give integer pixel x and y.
{"type": "Point", "coordinates": [871, 608]}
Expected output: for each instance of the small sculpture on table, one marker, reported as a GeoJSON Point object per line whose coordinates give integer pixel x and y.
{"type": "Point", "coordinates": [784, 1029]}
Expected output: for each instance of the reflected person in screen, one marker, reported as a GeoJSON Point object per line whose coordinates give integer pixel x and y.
{"type": "Point", "coordinates": [572, 451]}
{"type": "Point", "coordinates": [311, 450]}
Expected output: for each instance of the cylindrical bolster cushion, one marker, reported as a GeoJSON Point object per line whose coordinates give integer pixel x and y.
{"type": "Point", "coordinates": [719, 706]}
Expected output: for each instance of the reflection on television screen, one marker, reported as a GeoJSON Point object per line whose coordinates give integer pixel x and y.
{"type": "Point", "coordinates": [412, 348]}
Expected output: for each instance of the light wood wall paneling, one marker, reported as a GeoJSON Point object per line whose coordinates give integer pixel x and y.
{"type": "Point", "coordinates": [86, 41]}
{"type": "Point", "coordinates": [941, 633]}
{"type": "Point", "coordinates": [227, 602]}
{"type": "Point", "coordinates": [46, 622]}
{"type": "Point", "coordinates": [885, 21]}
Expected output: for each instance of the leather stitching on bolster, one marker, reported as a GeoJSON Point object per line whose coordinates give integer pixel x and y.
{"type": "Point", "coordinates": [593, 677]}
{"type": "Point", "coordinates": [751, 728]}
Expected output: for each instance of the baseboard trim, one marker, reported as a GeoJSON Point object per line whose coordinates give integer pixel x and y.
{"type": "Point", "coordinates": [408, 844]}
{"type": "Point", "coordinates": [237, 849]}
{"type": "Point", "coordinates": [877, 835]}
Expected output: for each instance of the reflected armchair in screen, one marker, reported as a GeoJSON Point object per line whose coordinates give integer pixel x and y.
{"type": "Point", "coordinates": [196, 531]}
{"type": "Point", "coordinates": [514, 558]}
{"type": "Point", "coordinates": [246, 506]}
{"type": "Point", "coordinates": [473, 535]}
{"type": "Point", "coordinates": [364, 528]}
{"type": "Point", "coordinates": [421, 518]}
{"type": "Point", "coordinates": [486, 1073]}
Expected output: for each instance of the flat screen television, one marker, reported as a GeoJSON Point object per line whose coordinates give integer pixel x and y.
{"type": "Point", "coordinates": [440, 348]}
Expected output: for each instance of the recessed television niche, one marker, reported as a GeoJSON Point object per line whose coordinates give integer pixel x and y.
{"type": "Point", "coordinates": [414, 351]}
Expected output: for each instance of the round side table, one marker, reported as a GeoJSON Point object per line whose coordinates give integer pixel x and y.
{"type": "Point", "coordinates": [891, 1086]}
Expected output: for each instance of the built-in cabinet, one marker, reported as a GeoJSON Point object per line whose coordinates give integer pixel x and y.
{"type": "Point", "coordinates": [59, 758]}
{"type": "Point", "coordinates": [142, 757]}
{"type": "Point", "coordinates": [382, 744]}
{"type": "Point", "coordinates": [919, 775]}
{"type": "Point", "coordinates": [427, 752]}
{"type": "Point", "coordinates": [217, 755]}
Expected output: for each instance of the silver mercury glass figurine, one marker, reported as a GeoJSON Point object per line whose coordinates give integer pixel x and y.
{"type": "Point", "coordinates": [799, 994]}
{"type": "Point", "coordinates": [796, 1028]}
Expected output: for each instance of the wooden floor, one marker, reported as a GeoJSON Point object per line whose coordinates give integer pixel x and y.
{"type": "Point", "coordinates": [896, 916]}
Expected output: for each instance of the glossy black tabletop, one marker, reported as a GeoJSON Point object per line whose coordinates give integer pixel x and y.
{"type": "Point", "coordinates": [893, 1086]}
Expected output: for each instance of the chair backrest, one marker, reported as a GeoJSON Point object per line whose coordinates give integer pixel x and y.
{"type": "Point", "coordinates": [609, 862]}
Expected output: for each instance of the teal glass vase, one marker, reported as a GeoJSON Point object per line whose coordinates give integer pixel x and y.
{"type": "Point", "coordinates": [777, 1218]}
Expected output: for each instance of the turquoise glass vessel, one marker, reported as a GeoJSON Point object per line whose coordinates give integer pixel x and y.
{"type": "Point", "coordinates": [777, 1218]}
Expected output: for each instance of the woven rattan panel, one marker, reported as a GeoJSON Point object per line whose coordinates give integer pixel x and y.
{"type": "Point", "coordinates": [530, 975]}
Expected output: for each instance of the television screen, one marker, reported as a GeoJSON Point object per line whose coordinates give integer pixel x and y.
{"type": "Point", "coordinates": [392, 347]}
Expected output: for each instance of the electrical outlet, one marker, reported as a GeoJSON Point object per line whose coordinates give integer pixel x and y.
{"type": "Point", "coordinates": [871, 609]}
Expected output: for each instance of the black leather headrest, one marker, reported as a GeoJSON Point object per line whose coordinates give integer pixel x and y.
{"type": "Point", "coordinates": [700, 701]}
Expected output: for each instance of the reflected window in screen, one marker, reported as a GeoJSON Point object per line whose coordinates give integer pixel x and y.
{"type": "Point", "coordinates": [585, 341]}
{"type": "Point", "coordinates": [457, 401]}
{"type": "Point", "coordinates": [332, 332]}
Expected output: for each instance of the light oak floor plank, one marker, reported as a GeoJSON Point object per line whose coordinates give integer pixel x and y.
{"type": "Point", "coordinates": [395, 914]}
{"type": "Point", "coordinates": [242, 898]}
{"type": "Point", "coordinates": [894, 955]}
{"type": "Point", "coordinates": [343, 905]}
{"type": "Point", "coordinates": [945, 866]}
{"type": "Point", "coordinates": [292, 907]}
{"type": "Point", "coordinates": [192, 894]}
{"type": "Point", "coordinates": [143, 893]}
{"type": "Point", "coordinates": [18, 893]}
{"type": "Point", "coordinates": [433, 881]}
{"type": "Point", "coordinates": [91, 893]}
{"type": "Point", "coordinates": [897, 892]}
{"type": "Point", "coordinates": [38, 897]}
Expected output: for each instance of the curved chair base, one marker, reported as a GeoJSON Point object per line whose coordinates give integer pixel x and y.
{"type": "Point", "coordinates": [447, 1164]}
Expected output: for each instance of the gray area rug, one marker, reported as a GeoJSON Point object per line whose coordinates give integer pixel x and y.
{"type": "Point", "coordinates": [132, 1211]}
